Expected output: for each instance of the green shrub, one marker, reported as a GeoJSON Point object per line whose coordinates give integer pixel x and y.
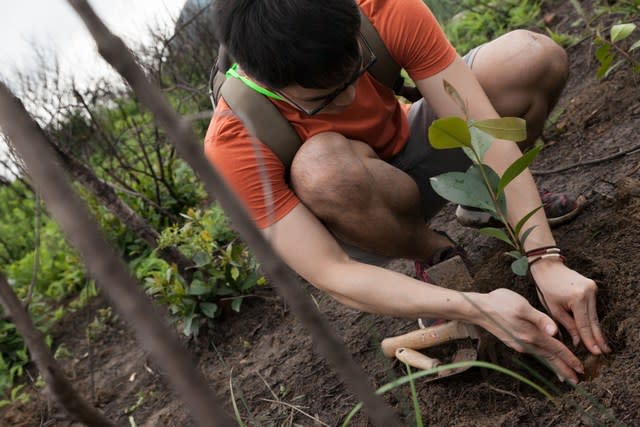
{"type": "Point", "coordinates": [60, 271]}
{"type": "Point", "coordinates": [480, 21]}
{"type": "Point", "coordinates": [224, 272]}
{"type": "Point", "coordinates": [13, 356]}
{"type": "Point", "coordinates": [16, 222]}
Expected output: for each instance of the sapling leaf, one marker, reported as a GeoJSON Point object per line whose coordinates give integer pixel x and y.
{"type": "Point", "coordinates": [464, 189]}
{"type": "Point", "coordinates": [498, 233]}
{"type": "Point", "coordinates": [517, 167]}
{"type": "Point", "coordinates": [480, 141]}
{"type": "Point", "coordinates": [453, 93]}
{"type": "Point", "coordinates": [524, 236]}
{"type": "Point", "coordinates": [634, 46]}
{"type": "Point", "coordinates": [621, 31]}
{"type": "Point", "coordinates": [475, 173]}
{"type": "Point", "coordinates": [510, 128]}
{"type": "Point", "coordinates": [520, 266]}
{"type": "Point", "coordinates": [524, 219]}
{"type": "Point", "coordinates": [450, 132]}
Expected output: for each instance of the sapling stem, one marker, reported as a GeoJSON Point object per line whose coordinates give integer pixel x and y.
{"type": "Point", "coordinates": [494, 198]}
{"type": "Point", "coordinates": [475, 138]}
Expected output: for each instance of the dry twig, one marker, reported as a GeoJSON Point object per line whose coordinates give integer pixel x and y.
{"type": "Point", "coordinates": [587, 162]}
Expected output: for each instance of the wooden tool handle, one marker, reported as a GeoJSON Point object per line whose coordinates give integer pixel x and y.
{"type": "Point", "coordinates": [416, 359]}
{"type": "Point", "coordinates": [429, 337]}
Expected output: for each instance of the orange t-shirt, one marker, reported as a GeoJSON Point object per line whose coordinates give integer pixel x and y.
{"type": "Point", "coordinates": [415, 41]}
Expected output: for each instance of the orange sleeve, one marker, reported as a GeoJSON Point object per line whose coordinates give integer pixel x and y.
{"type": "Point", "coordinates": [249, 167]}
{"type": "Point", "coordinates": [412, 35]}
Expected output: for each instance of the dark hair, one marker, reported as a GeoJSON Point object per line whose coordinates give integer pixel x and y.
{"type": "Point", "coordinates": [312, 43]}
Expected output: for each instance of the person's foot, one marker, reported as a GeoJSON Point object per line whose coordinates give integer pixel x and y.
{"type": "Point", "coordinates": [422, 272]}
{"type": "Point", "coordinates": [559, 208]}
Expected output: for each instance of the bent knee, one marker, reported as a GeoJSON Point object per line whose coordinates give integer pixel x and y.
{"type": "Point", "coordinates": [544, 57]}
{"type": "Point", "coordinates": [328, 170]}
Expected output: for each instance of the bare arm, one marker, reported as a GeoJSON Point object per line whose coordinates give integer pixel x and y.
{"type": "Point", "coordinates": [308, 248]}
{"type": "Point", "coordinates": [312, 251]}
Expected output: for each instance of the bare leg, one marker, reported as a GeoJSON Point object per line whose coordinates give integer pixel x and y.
{"type": "Point", "coordinates": [523, 73]}
{"type": "Point", "coordinates": [363, 200]}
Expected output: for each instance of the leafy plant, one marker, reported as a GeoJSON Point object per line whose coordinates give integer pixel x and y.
{"type": "Point", "coordinates": [480, 186]}
{"type": "Point", "coordinates": [60, 271]}
{"type": "Point", "coordinates": [479, 21]}
{"type": "Point", "coordinates": [610, 50]}
{"type": "Point", "coordinates": [225, 271]}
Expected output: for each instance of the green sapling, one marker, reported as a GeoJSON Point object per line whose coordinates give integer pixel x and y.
{"type": "Point", "coordinates": [480, 186]}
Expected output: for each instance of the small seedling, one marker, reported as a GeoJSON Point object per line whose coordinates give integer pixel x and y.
{"type": "Point", "coordinates": [224, 271]}
{"type": "Point", "coordinates": [480, 186]}
{"type": "Point", "coordinates": [609, 49]}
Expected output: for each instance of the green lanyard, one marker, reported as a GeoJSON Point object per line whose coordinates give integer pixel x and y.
{"type": "Point", "coordinates": [231, 72]}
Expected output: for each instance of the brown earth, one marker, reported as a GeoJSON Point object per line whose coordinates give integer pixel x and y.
{"type": "Point", "coordinates": [277, 375]}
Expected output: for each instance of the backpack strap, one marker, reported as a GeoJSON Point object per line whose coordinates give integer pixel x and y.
{"type": "Point", "coordinates": [385, 70]}
{"type": "Point", "coordinates": [263, 120]}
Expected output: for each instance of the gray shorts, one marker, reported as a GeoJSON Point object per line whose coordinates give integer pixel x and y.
{"type": "Point", "coordinates": [421, 161]}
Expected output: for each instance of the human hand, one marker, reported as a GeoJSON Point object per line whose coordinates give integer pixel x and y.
{"type": "Point", "coordinates": [571, 300]}
{"type": "Point", "coordinates": [515, 322]}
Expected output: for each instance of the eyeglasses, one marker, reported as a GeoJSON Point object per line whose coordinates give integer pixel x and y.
{"type": "Point", "coordinates": [325, 101]}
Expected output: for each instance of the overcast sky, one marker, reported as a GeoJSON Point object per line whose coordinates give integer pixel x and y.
{"type": "Point", "coordinates": [54, 28]}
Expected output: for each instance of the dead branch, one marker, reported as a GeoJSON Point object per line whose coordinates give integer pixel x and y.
{"type": "Point", "coordinates": [587, 162]}
{"type": "Point", "coordinates": [110, 272]}
{"type": "Point", "coordinates": [72, 402]}
{"type": "Point", "coordinates": [134, 222]}
{"type": "Point", "coordinates": [181, 134]}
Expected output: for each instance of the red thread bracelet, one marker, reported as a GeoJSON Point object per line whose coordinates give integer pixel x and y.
{"type": "Point", "coordinates": [542, 251]}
